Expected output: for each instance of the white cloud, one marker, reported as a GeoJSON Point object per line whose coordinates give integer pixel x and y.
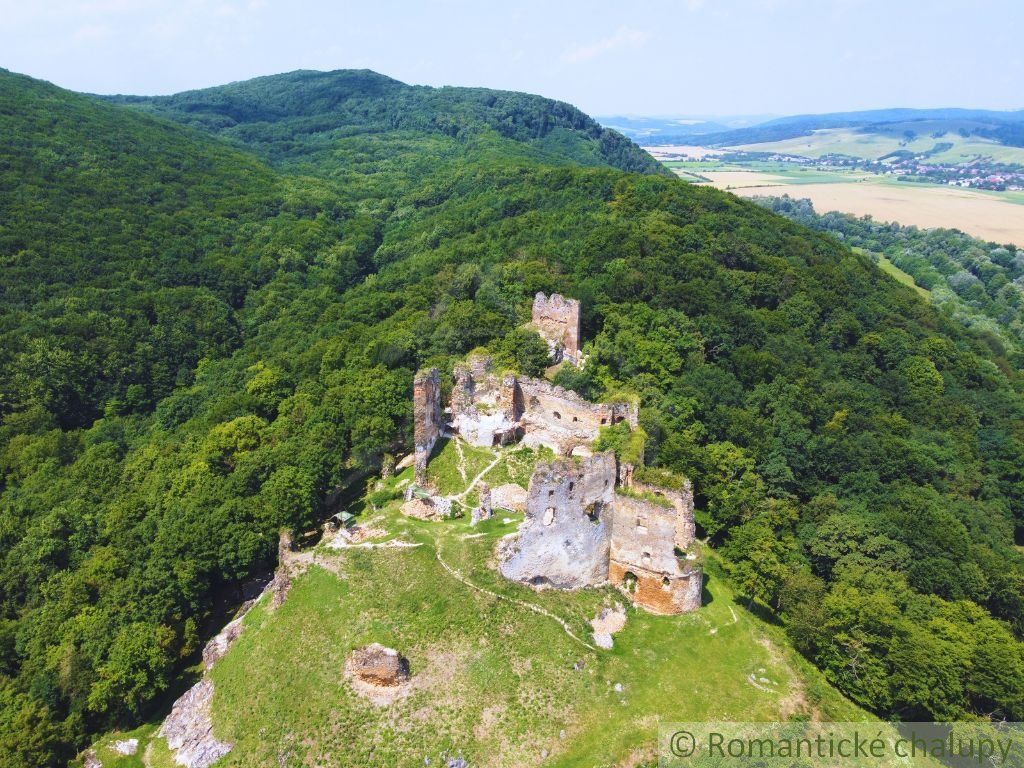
{"type": "Point", "coordinates": [624, 37]}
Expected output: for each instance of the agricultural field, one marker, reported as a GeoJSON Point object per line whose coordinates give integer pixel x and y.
{"type": "Point", "coordinates": [991, 216]}
{"type": "Point", "coordinates": [996, 216]}
{"type": "Point", "coordinates": [872, 146]}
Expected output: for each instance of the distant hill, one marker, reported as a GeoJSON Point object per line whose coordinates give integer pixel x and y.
{"type": "Point", "coordinates": [1005, 127]}
{"type": "Point", "coordinates": [298, 115]}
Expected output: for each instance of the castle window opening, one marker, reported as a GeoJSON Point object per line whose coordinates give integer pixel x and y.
{"type": "Point", "coordinates": [646, 558]}
{"type": "Point", "coordinates": [664, 581]}
{"type": "Point", "coordinates": [556, 414]}
{"type": "Point", "coordinates": [571, 486]}
{"type": "Point", "coordinates": [629, 581]}
{"type": "Point", "coordinates": [604, 420]}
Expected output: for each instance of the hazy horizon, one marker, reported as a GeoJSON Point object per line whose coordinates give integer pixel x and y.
{"type": "Point", "coordinates": [657, 59]}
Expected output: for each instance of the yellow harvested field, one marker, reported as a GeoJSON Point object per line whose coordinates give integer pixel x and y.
{"type": "Point", "coordinates": [669, 151]}
{"type": "Point", "coordinates": [976, 213]}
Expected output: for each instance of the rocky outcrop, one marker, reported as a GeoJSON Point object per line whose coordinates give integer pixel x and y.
{"type": "Point", "coordinates": [509, 496]}
{"type": "Point", "coordinates": [189, 729]}
{"type": "Point", "coordinates": [607, 622]}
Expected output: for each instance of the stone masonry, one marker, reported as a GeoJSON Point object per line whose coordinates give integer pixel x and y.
{"type": "Point", "coordinates": [643, 560]}
{"type": "Point", "coordinates": [564, 541]}
{"type": "Point", "coordinates": [557, 319]}
{"type": "Point", "coordinates": [584, 529]}
{"type": "Point", "coordinates": [588, 520]}
{"type": "Point", "coordinates": [427, 423]}
{"type": "Point", "coordinates": [488, 409]}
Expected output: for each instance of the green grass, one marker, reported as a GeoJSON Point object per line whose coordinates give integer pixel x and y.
{"type": "Point", "coordinates": [451, 472]}
{"type": "Point", "coordinates": [494, 679]}
{"type": "Point", "coordinates": [891, 269]}
{"type": "Point", "coordinates": [517, 467]}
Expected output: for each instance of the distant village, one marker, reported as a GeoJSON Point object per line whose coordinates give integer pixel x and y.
{"type": "Point", "coordinates": [980, 173]}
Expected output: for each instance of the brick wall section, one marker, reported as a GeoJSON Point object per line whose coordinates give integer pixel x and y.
{"type": "Point", "coordinates": [557, 319]}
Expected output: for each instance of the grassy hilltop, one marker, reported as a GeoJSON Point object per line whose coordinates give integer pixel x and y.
{"type": "Point", "coordinates": [213, 306]}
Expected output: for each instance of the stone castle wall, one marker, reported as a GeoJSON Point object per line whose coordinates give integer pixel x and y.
{"type": "Point", "coordinates": [427, 422]}
{"type": "Point", "coordinates": [557, 319]}
{"type": "Point", "coordinates": [489, 409]}
{"type": "Point", "coordinates": [565, 539]}
{"type": "Point", "coordinates": [656, 592]}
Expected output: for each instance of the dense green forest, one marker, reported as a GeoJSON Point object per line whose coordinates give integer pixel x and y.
{"type": "Point", "coordinates": [307, 119]}
{"type": "Point", "coordinates": [978, 284]}
{"type": "Point", "coordinates": [207, 327]}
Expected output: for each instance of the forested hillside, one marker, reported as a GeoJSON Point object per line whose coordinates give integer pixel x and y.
{"type": "Point", "coordinates": [978, 284]}
{"type": "Point", "coordinates": [200, 343]}
{"type": "Point", "coordinates": [314, 117]}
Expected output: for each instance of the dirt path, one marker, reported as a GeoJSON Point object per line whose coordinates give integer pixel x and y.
{"type": "Point", "coordinates": [522, 603]}
{"type": "Point", "coordinates": [478, 478]}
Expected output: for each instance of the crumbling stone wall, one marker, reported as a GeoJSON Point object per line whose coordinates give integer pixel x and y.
{"type": "Point", "coordinates": [564, 541]}
{"type": "Point", "coordinates": [644, 538]}
{"type": "Point", "coordinates": [561, 419]}
{"type": "Point", "coordinates": [485, 407]}
{"type": "Point", "coordinates": [427, 423]}
{"type": "Point", "coordinates": [666, 595]}
{"type": "Point", "coordinates": [682, 502]}
{"type": "Point", "coordinates": [557, 319]}
{"type": "Point", "coordinates": [489, 408]}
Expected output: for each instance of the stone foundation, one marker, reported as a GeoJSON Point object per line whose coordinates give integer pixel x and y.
{"type": "Point", "coordinates": [657, 592]}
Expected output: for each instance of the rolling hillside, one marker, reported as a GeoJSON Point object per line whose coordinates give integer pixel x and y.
{"type": "Point", "coordinates": [308, 116]}
{"type": "Point", "coordinates": [239, 285]}
{"type": "Point", "coordinates": [1002, 127]}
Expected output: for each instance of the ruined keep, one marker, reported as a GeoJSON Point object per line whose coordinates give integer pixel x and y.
{"type": "Point", "coordinates": [557, 319]}
{"type": "Point", "coordinates": [427, 422]}
{"type": "Point", "coordinates": [650, 526]}
{"type": "Point", "coordinates": [583, 528]}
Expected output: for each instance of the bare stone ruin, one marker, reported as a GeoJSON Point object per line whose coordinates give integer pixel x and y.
{"type": "Point", "coordinates": [489, 408]}
{"type": "Point", "coordinates": [588, 521]}
{"type": "Point", "coordinates": [557, 319]}
{"type": "Point", "coordinates": [584, 529]}
{"type": "Point", "coordinates": [426, 394]}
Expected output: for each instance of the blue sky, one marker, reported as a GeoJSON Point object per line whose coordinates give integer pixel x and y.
{"type": "Point", "coordinates": [656, 57]}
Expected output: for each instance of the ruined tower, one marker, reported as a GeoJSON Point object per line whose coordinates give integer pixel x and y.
{"type": "Point", "coordinates": [557, 319]}
{"type": "Point", "coordinates": [426, 401]}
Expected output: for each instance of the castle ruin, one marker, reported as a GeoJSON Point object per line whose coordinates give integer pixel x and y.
{"type": "Point", "coordinates": [589, 520]}
{"type": "Point", "coordinates": [427, 423]}
{"type": "Point", "coordinates": [557, 319]}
